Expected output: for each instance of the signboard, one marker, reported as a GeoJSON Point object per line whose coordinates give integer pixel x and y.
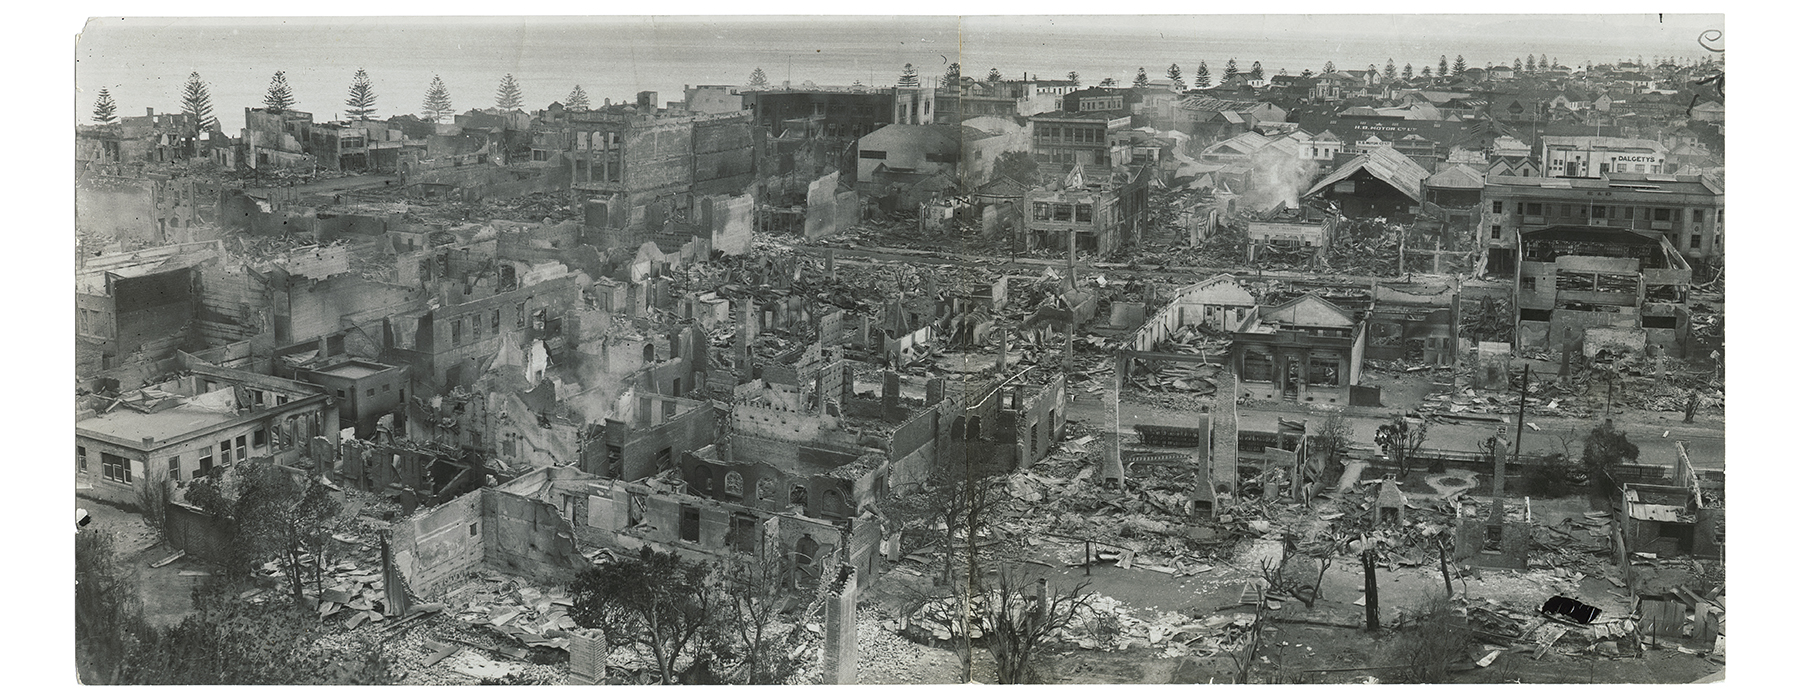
{"type": "Point", "coordinates": [1300, 233]}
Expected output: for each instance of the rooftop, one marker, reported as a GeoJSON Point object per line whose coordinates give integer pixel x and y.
{"type": "Point", "coordinates": [354, 369]}
{"type": "Point", "coordinates": [197, 413]}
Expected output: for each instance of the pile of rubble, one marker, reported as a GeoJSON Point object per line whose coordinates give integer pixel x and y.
{"type": "Point", "coordinates": [1366, 247]}
{"type": "Point", "coordinates": [527, 615]}
{"type": "Point", "coordinates": [1498, 626]}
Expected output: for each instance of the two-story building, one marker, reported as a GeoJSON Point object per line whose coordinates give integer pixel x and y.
{"type": "Point", "coordinates": [1592, 287]}
{"type": "Point", "coordinates": [1687, 210]}
{"type": "Point", "coordinates": [182, 428]}
{"type": "Point", "coordinates": [1062, 139]}
{"type": "Point", "coordinates": [1098, 208]}
{"type": "Point", "coordinates": [1595, 156]}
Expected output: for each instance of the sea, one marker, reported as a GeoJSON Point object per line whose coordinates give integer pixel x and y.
{"type": "Point", "coordinates": [143, 63]}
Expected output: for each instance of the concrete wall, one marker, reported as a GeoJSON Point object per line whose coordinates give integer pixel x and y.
{"type": "Point", "coordinates": [827, 210]}
{"type": "Point", "coordinates": [435, 548]}
{"type": "Point", "coordinates": [724, 155]}
{"type": "Point", "coordinates": [317, 308]}
{"type": "Point", "coordinates": [729, 221]}
{"type": "Point", "coordinates": [527, 536]}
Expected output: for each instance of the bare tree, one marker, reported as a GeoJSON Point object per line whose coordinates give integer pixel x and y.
{"type": "Point", "coordinates": [1018, 621]}
{"type": "Point", "coordinates": [1333, 438]}
{"type": "Point", "coordinates": [1431, 639]}
{"type": "Point", "coordinates": [753, 585]}
{"type": "Point", "coordinates": [956, 497]}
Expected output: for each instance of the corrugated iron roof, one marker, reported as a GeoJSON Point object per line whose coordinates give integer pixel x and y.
{"type": "Point", "coordinates": [1387, 165]}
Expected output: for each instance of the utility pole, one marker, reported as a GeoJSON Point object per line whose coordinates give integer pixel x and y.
{"type": "Point", "coordinates": [1456, 330]}
{"type": "Point", "coordinates": [1371, 602]}
{"type": "Point", "coordinates": [1068, 359]}
{"type": "Point", "coordinates": [1524, 388]}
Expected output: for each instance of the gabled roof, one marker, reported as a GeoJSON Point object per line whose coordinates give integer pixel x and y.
{"type": "Point", "coordinates": [1387, 165]}
{"type": "Point", "coordinates": [1309, 311]}
{"type": "Point", "coordinates": [1245, 143]}
{"type": "Point", "coordinates": [1457, 177]}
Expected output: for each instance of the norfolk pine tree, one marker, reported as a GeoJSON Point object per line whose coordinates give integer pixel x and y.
{"type": "Point", "coordinates": [577, 99]}
{"type": "Point", "coordinates": [362, 96]}
{"type": "Point", "coordinates": [1443, 66]}
{"type": "Point", "coordinates": [437, 100]}
{"type": "Point", "coordinates": [1231, 69]}
{"type": "Point", "coordinates": [196, 101]}
{"type": "Point", "coordinates": [1202, 76]}
{"type": "Point", "coordinates": [1075, 78]}
{"type": "Point", "coordinates": [758, 78]}
{"type": "Point", "coordinates": [1142, 79]}
{"type": "Point", "coordinates": [280, 97]}
{"type": "Point", "coordinates": [1175, 77]}
{"type": "Point", "coordinates": [1406, 73]}
{"type": "Point", "coordinates": [1460, 66]}
{"type": "Point", "coordinates": [1256, 71]}
{"type": "Point", "coordinates": [953, 74]}
{"type": "Point", "coordinates": [1390, 72]}
{"type": "Point", "coordinates": [994, 75]}
{"type": "Point", "coordinates": [104, 109]}
{"type": "Point", "coordinates": [909, 76]}
{"type": "Point", "coordinates": [508, 96]}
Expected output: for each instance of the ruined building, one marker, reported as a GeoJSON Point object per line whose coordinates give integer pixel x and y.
{"type": "Point", "coordinates": [170, 431]}
{"type": "Point", "coordinates": [1687, 211]}
{"type": "Point", "coordinates": [1590, 288]}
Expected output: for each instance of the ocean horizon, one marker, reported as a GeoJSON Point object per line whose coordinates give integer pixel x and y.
{"type": "Point", "coordinates": [143, 63]}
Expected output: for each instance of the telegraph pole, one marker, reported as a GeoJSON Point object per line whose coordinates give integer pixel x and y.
{"type": "Point", "coordinates": [1524, 388]}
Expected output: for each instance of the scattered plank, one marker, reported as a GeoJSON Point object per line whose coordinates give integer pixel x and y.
{"type": "Point", "coordinates": [169, 559]}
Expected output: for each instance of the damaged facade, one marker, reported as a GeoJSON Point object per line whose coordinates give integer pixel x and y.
{"type": "Point", "coordinates": [1592, 287]}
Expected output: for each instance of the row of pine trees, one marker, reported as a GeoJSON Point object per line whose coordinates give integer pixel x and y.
{"type": "Point", "coordinates": [196, 99]}
{"type": "Point", "coordinates": [909, 76]}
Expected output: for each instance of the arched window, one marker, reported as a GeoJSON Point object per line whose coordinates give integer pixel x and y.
{"type": "Point", "coordinates": [974, 428]}
{"type": "Point", "coordinates": [702, 480]}
{"type": "Point", "coordinates": [806, 569]}
{"type": "Point", "coordinates": [797, 496]}
{"type": "Point", "coordinates": [834, 505]}
{"type": "Point", "coordinates": [734, 484]}
{"type": "Point", "coordinates": [649, 352]}
{"type": "Point", "coordinates": [765, 489]}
